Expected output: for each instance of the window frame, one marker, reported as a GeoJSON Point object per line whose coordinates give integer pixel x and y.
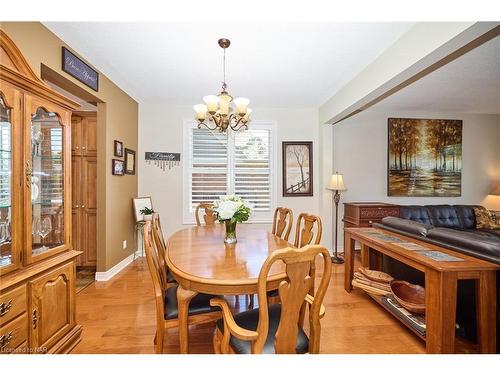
{"type": "Point", "coordinates": [264, 217]}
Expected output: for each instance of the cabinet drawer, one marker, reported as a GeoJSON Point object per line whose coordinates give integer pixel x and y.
{"type": "Point", "coordinates": [13, 334]}
{"type": "Point", "coordinates": [378, 213]}
{"type": "Point", "coordinates": [12, 304]}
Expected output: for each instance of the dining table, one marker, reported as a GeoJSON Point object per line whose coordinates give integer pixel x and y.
{"type": "Point", "coordinates": [202, 263]}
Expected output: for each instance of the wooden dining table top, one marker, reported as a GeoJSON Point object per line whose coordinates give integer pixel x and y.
{"type": "Point", "coordinates": [199, 255]}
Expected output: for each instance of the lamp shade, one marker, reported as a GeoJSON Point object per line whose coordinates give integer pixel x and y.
{"type": "Point", "coordinates": [336, 182]}
{"type": "Point", "coordinates": [496, 190]}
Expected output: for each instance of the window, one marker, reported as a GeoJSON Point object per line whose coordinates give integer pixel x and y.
{"type": "Point", "coordinates": [239, 163]}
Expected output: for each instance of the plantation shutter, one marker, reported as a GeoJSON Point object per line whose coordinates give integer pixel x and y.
{"type": "Point", "coordinates": [209, 166]}
{"type": "Point", "coordinates": [252, 171]}
{"type": "Point", "coordinates": [239, 163]}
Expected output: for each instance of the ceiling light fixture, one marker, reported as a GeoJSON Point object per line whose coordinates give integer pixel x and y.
{"type": "Point", "coordinates": [218, 109]}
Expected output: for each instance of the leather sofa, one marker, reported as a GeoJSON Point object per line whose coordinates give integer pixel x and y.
{"type": "Point", "coordinates": [453, 227]}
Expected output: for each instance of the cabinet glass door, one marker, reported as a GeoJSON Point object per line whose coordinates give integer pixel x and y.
{"type": "Point", "coordinates": [47, 182]}
{"type": "Point", "coordinates": [5, 184]}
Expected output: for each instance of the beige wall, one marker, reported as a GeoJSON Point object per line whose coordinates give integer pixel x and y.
{"type": "Point", "coordinates": [360, 152]}
{"type": "Point", "coordinates": [161, 129]}
{"type": "Point", "coordinates": [117, 119]}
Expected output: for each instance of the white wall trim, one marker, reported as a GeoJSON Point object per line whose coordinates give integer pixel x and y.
{"type": "Point", "coordinates": [117, 268]}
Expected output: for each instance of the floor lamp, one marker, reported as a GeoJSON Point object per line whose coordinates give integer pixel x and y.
{"type": "Point", "coordinates": [336, 184]}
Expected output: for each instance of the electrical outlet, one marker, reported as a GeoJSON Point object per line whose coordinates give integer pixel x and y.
{"type": "Point", "coordinates": [124, 245]}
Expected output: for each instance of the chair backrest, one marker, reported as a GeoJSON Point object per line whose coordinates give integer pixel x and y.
{"type": "Point", "coordinates": [159, 285]}
{"type": "Point", "coordinates": [160, 247]}
{"type": "Point", "coordinates": [292, 292]}
{"type": "Point", "coordinates": [282, 222]}
{"type": "Point", "coordinates": [308, 230]}
{"type": "Point", "coordinates": [209, 215]}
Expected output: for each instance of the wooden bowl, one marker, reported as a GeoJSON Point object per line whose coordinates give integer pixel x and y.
{"type": "Point", "coordinates": [410, 296]}
{"type": "Point", "coordinates": [378, 276]}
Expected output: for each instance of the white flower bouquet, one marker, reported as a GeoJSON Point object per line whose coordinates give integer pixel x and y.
{"type": "Point", "coordinates": [231, 209]}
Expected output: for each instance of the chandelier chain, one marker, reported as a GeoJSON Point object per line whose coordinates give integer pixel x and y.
{"type": "Point", "coordinates": [224, 70]}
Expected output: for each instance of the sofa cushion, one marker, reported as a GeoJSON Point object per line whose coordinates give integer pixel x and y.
{"type": "Point", "coordinates": [415, 213]}
{"type": "Point", "coordinates": [444, 216]}
{"type": "Point", "coordinates": [466, 216]}
{"type": "Point", "coordinates": [407, 225]}
{"type": "Point", "coordinates": [489, 232]}
{"type": "Point", "coordinates": [466, 239]}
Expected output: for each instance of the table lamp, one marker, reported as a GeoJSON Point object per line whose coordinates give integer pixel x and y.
{"type": "Point", "coordinates": [336, 184]}
{"type": "Point", "coordinates": [496, 190]}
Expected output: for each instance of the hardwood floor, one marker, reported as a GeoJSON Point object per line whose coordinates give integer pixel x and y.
{"type": "Point", "coordinates": [118, 316]}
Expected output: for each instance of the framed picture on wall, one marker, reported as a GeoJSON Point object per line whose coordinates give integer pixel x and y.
{"type": "Point", "coordinates": [117, 167]}
{"type": "Point", "coordinates": [424, 157]}
{"type": "Point", "coordinates": [139, 204]}
{"type": "Point", "coordinates": [297, 169]}
{"type": "Point", "coordinates": [129, 161]}
{"type": "Point", "coordinates": [118, 149]}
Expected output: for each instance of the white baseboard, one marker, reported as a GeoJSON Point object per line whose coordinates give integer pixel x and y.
{"type": "Point", "coordinates": [113, 271]}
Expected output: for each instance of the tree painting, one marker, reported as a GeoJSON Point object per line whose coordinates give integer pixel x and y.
{"type": "Point", "coordinates": [425, 157]}
{"type": "Point", "coordinates": [297, 168]}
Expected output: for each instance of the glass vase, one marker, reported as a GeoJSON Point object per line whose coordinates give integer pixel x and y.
{"type": "Point", "coordinates": [230, 232]}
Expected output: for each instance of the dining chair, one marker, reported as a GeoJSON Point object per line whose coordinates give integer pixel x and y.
{"type": "Point", "coordinates": [308, 230]}
{"type": "Point", "coordinates": [200, 310]}
{"type": "Point", "coordinates": [209, 215]}
{"type": "Point", "coordinates": [278, 328]}
{"type": "Point", "coordinates": [161, 247]}
{"type": "Point", "coordinates": [282, 222]}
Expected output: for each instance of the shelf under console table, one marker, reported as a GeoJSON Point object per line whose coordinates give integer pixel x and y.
{"type": "Point", "coordinates": [441, 279]}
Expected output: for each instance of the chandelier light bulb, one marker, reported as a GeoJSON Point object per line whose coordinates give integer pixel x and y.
{"type": "Point", "coordinates": [241, 105]}
{"type": "Point", "coordinates": [212, 102]}
{"type": "Point", "coordinates": [201, 111]}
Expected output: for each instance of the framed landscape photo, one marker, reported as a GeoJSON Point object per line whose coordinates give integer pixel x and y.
{"type": "Point", "coordinates": [297, 169]}
{"type": "Point", "coordinates": [129, 161]}
{"type": "Point", "coordinates": [118, 149]}
{"type": "Point", "coordinates": [118, 167]}
{"type": "Point", "coordinates": [424, 157]}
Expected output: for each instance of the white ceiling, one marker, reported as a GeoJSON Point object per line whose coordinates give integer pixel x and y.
{"type": "Point", "coordinates": [469, 84]}
{"type": "Point", "coordinates": [273, 64]}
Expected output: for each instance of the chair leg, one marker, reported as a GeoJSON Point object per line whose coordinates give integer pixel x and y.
{"type": "Point", "coordinates": [251, 301]}
{"type": "Point", "coordinates": [217, 341]}
{"type": "Point", "coordinates": [160, 335]}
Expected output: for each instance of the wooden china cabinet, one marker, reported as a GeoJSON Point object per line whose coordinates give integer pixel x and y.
{"type": "Point", "coordinates": [37, 263]}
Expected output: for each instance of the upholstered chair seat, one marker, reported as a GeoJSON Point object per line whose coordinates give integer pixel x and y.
{"type": "Point", "coordinates": [170, 277]}
{"type": "Point", "coordinates": [250, 319]}
{"type": "Point", "coordinates": [200, 304]}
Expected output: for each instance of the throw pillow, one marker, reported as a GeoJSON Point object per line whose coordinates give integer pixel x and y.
{"type": "Point", "coordinates": [484, 219]}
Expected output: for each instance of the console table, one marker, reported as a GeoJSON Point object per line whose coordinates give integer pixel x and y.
{"type": "Point", "coordinates": [440, 285]}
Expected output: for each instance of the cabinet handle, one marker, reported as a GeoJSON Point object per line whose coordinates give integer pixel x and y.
{"type": "Point", "coordinates": [83, 148]}
{"type": "Point", "coordinates": [77, 147]}
{"type": "Point", "coordinates": [29, 173]}
{"type": "Point", "coordinates": [34, 318]}
{"type": "Point", "coordinates": [5, 339]}
{"type": "Point", "coordinates": [5, 307]}
{"type": "Point", "coordinates": [77, 206]}
{"type": "Point", "coordinates": [83, 206]}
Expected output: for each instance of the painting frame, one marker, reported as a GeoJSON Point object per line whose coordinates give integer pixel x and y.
{"type": "Point", "coordinates": [139, 203]}
{"type": "Point", "coordinates": [116, 170]}
{"type": "Point", "coordinates": [129, 161]}
{"type": "Point", "coordinates": [288, 191]}
{"type": "Point", "coordinates": [434, 165]}
{"type": "Point", "coordinates": [118, 149]}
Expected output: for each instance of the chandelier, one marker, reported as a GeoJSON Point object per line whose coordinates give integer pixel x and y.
{"type": "Point", "coordinates": [218, 109]}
